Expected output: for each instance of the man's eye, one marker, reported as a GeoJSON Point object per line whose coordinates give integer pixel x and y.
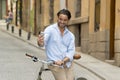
{"type": "Point", "coordinates": [62, 19]}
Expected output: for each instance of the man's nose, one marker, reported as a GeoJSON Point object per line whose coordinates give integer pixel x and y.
{"type": "Point", "coordinates": [62, 21]}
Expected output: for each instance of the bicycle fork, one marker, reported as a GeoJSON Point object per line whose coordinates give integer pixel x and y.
{"type": "Point", "coordinates": [41, 70]}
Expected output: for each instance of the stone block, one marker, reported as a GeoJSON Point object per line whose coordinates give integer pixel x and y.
{"type": "Point", "coordinates": [117, 33]}
{"type": "Point", "coordinates": [92, 47]}
{"type": "Point", "coordinates": [85, 46]}
{"type": "Point", "coordinates": [117, 59]}
{"type": "Point", "coordinates": [102, 46]}
{"type": "Point", "coordinates": [117, 45]}
{"type": "Point", "coordinates": [100, 56]}
{"type": "Point", "coordinates": [102, 36]}
{"type": "Point", "coordinates": [92, 38]}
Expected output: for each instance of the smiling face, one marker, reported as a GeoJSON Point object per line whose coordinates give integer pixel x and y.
{"type": "Point", "coordinates": [62, 20]}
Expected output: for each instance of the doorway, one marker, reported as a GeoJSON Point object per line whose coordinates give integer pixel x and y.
{"type": "Point", "coordinates": [78, 35]}
{"type": "Point", "coordinates": [112, 29]}
{"type": "Point", "coordinates": [2, 8]}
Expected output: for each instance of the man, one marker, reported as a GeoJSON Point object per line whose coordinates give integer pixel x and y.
{"type": "Point", "coordinates": [59, 45]}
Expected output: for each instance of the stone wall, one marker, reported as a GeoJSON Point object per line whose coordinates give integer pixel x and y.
{"type": "Point", "coordinates": [117, 46]}
{"type": "Point", "coordinates": [99, 45]}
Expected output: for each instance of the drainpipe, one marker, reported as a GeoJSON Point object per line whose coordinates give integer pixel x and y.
{"type": "Point", "coordinates": [16, 13]}
{"type": "Point", "coordinates": [35, 26]}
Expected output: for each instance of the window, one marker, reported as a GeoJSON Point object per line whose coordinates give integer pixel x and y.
{"type": "Point", "coordinates": [40, 6]}
{"type": "Point", "coordinates": [78, 8]}
{"type": "Point", "coordinates": [51, 11]}
{"type": "Point", "coordinates": [97, 15]}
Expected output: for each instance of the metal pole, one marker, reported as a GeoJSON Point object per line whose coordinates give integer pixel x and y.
{"type": "Point", "coordinates": [7, 26]}
{"type": "Point", "coordinates": [20, 32]}
{"type": "Point", "coordinates": [12, 28]}
{"type": "Point", "coordinates": [29, 36]}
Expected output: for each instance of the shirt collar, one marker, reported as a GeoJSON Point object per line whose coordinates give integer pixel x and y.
{"type": "Point", "coordinates": [66, 29]}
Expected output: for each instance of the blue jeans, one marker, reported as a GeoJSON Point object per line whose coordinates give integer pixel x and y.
{"type": "Point", "coordinates": [9, 20]}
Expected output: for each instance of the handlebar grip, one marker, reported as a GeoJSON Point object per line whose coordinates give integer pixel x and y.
{"type": "Point", "coordinates": [29, 55]}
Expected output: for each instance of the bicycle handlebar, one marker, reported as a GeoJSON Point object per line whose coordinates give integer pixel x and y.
{"type": "Point", "coordinates": [35, 59]}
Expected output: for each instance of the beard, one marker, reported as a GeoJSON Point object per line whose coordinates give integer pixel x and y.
{"type": "Point", "coordinates": [62, 25]}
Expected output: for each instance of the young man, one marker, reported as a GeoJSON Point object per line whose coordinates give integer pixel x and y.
{"type": "Point", "coordinates": [9, 18]}
{"type": "Point", "coordinates": [59, 45]}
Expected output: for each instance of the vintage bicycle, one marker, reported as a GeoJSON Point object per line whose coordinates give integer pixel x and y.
{"type": "Point", "coordinates": [36, 59]}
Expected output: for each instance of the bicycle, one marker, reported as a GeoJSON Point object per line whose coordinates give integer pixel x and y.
{"type": "Point", "coordinates": [35, 59]}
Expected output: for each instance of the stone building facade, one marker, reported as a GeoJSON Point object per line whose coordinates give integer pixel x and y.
{"type": "Point", "coordinates": [95, 24]}
{"type": "Point", "coordinates": [3, 8]}
{"type": "Point", "coordinates": [104, 29]}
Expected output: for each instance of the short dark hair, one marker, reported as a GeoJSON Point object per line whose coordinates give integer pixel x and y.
{"type": "Point", "coordinates": [65, 12]}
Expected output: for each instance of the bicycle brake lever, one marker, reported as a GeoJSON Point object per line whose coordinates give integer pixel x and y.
{"type": "Point", "coordinates": [35, 59]}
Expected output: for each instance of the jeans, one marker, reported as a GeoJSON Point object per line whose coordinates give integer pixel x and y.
{"type": "Point", "coordinates": [9, 20]}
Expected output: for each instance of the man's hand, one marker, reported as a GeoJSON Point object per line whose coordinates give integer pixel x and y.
{"type": "Point", "coordinates": [40, 40]}
{"type": "Point", "coordinates": [59, 62]}
{"type": "Point", "coordinates": [62, 62]}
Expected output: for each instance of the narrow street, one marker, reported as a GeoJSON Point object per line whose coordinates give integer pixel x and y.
{"type": "Point", "coordinates": [95, 25]}
{"type": "Point", "coordinates": [14, 65]}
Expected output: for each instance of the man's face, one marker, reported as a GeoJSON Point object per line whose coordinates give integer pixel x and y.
{"type": "Point", "coordinates": [62, 20]}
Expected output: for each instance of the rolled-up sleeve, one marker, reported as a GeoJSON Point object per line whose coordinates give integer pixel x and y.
{"type": "Point", "coordinates": [71, 49]}
{"type": "Point", "coordinates": [46, 35]}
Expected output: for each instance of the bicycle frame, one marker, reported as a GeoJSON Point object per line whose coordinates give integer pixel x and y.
{"type": "Point", "coordinates": [35, 59]}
